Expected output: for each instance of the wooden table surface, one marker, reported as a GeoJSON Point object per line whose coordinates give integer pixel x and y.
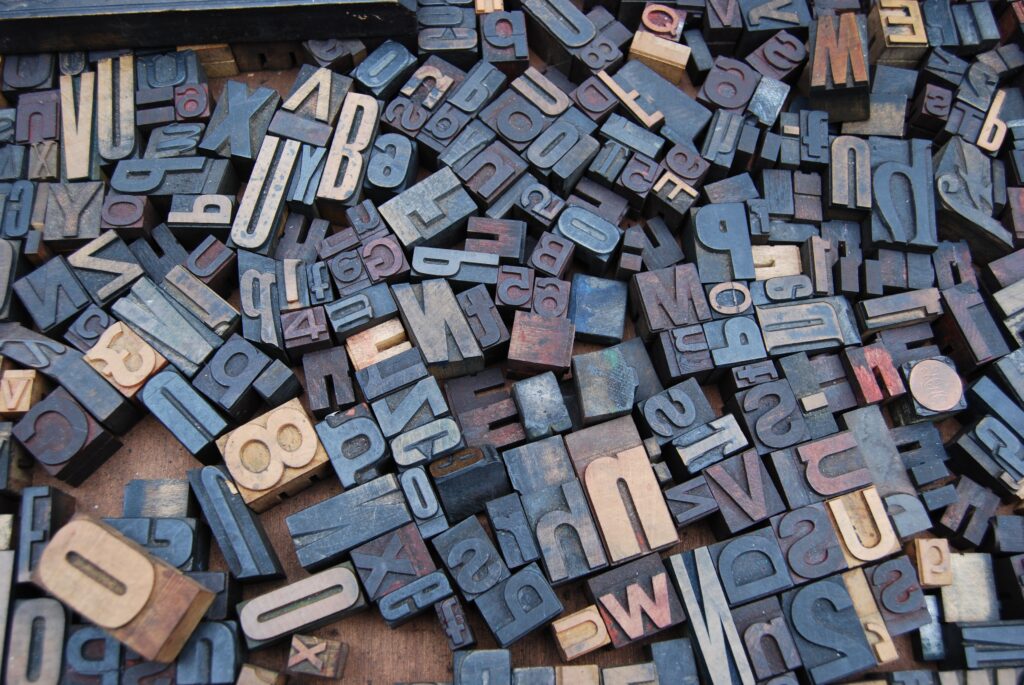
{"type": "Point", "coordinates": [415, 652]}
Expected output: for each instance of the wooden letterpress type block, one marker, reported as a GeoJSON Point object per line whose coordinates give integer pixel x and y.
{"type": "Point", "coordinates": [191, 215]}
{"type": "Point", "coordinates": [785, 325]}
{"type": "Point", "coordinates": [767, 637]}
{"type": "Point", "coordinates": [296, 457]}
{"type": "Point", "coordinates": [79, 157]}
{"type": "Point", "coordinates": [260, 296]}
{"type": "Point", "coordinates": [682, 352]}
{"type": "Point", "coordinates": [52, 295]}
{"type": "Point", "coordinates": [229, 377]}
{"type": "Point", "coordinates": [503, 41]}
{"type": "Point", "coordinates": [44, 510]}
{"type": "Point", "coordinates": [690, 501]}
{"type": "Point", "coordinates": [174, 333]}
{"type": "Point", "coordinates": [483, 665]}
{"type": "Point", "coordinates": [392, 561]}
{"type": "Point", "coordinates": [539, 465]}
{"type": "Point", "coordinates": [124, 359]}
{"type": "Point", "coordinates": [898, 593]}
{"type": "Point", "coordinates": [542, 409]}
{"type": "Point", "coordinates": [453, 622]}
{"type": "Point", "coordinates": [257, 221]}
{"type": "Point", "coordinates": [580, 633]}
{"type": "Point", "coordinates": [772, 416]}
{"type": "Point", "coordinates": [839, 66]}
{"type": "Point", "coordinates": [485, 411]}
{"type": "Point", "coordinates": [751, 566]}
{"type": "Point", "coordinates": [391, 167]}
{"type": "Point", "coordinates": [211, 655]}
{"type": "Point", "coordinates": [721, 656]}
{"type": "Point", "coordinates": [430, 212]}
{"type": "Point", "coordinates": [239, 123]}
{"type": "Point", "coordinates": [341, 184]}
{"type": "Point", "coordinates": [181, 542]}
{"type": "Point", "coordinates": [932, 560]}
{"type": "Point", "coordinates": [201, 301]}
{"type": "Point", "coordinates": [608, 454]}
{"type": "Point", "coordinates": [969, 328]}
{"type": "Point", "coordinates": [302, 605]}
{"type": "Point", "coordinates": [744, 491]}
{"type": "Point", "coordinates": [605, 384]}
{"type": "Point", "coordinates": [862, 526]}
{"type": "Point", "coordinates": [550, 511]}
{"type": "Point", "coordinates": [515, 287]}
{"type": "Point", "coordinates": [668, 298]}
{"type": "Point", "coordinates": [256, 675]}
{"type": "Point", "coordinates": [354, 444]}
{"type": "Point", "coordinates": [91, 656]}
{"type": "Point", "coordinates": [597, 308]}
{"type": "Point", "coordinates": [827, 630]}
{"type": "Point", "coordinates": [38, 118]}
{"type": "Point", "coordinates": [672, 412]}
{"type": "Point", "coordinates": [152, 624]}
{"type": "Point", "coordinates": [239, 534]}
{"type": "Point", "coordinates": [64, 438]}
{"type": "Point", "coordinates": [966, 521]}
{"type": "Point", "coordinates": [423, 502]}
{"type": "Point", "coordinates": [834, 465]}
{"type": "Point", "coordinates": [636, 600]}
{"type": "Point", "coordinates": [391, 374]}
{"type": "Point", "coordinates": [410, 407]}
{"type": "Point", "coordinates": [874, 375]}
{"type": "Point", "coordinates": [20, 390]}
{"type": "Point", "coordinates": [317, 657]}
{"type": "Point", "coordinates": [15, 471]}
{"type": "Point", "coordinates": [305, 331]}
{"type": "Point", "coordinates": [509, 615]}
{"type": "Point", "coordinates": [189, 418]}
{"type": "Point", "coordinates": [471, 558]}
{"type": "Point", "coordinates": [720, 243]}
{"type": "Point", "coordinates": [551, 297]}
{"type": "Point", "coordinates": [36, 640]}
{"type": "Point", "coordinates": [130, 216]}
{"type": "Point", "coordinates": [540, 343]}
{"type": "Point", "coordinates": [372, 345]}
{"type": "Point", "coordinates": [105, 267]}
{"type": "Point", "coordinates": [325, 531]}
{"type": "Point", "coordinates": [508, 522]}
{"type": "Point", "coordinates": [706, 444]}
{"type": "Point", "coordinates": [866, 608]}
{"type": "Point", "coordinates": [972, 595]}
{"type": "Point", "coordinates": [158, 261]}
{"type": "Point", "coordinates": [468, 479]}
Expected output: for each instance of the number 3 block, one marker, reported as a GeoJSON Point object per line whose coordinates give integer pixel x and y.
{"type": "Point", "coordinates": [273, 456]}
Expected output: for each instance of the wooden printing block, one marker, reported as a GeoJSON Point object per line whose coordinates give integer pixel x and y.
{"type": "Point", "coordinates": [580, 633]}
{"type": "Point", "coordinates": [636, 600]}
{"type": "Point", "coordinates": [423, 307]}
{"type": "Point", "coordinates": [325, 531]}
{"type": "Point", "coordinates": [152, 624]}
{"type": "Point", "coordinates": [542, 409]}
{"type": "Point", "coordinates": [809, 543]}
{"type": "Point", "coordinates": [392, 561]}
{"type": "Point", "coordinates": [507, 613]}
{"type": "Point", "coordinates": [834, 620]}
{"type": "Point", "coordinates": [353, 443]}
{"type": "Point", "coordinates": [36, 640]}
{"type": "Point", "coordinates": [898, 594]}
{"type": "Point", "coordinates": [124, 359]}
{"type": "Point", "coordinates": [751, 566]}
{"type": "Point", "coordinates": [228, 378]}
{"type": "Point", "coordinates": [184, 412]}
{"type": "Point", "coordinates": [415, 598]}
{"type": "Point", "coordinates": [744, 491]}
{"type": "Point", "coordinates": [538, 465]}
{"type": "Point", "coordinates": [90, 655]}
{"type": "Point", "coordinates": [539, 344]}
{"type": "Point", "coordinates": [452, 618]}
{"type": "Point", "coordinates": [184, 543]}
{"type": "Point", "coordinates": [302, 605]}
{"type": "Point", "coordinates": [468, 479]}
{"type": "Point", "coordinates": [296, 456]}
{"type": "Point", "coordinates": [492, 666]}
{"type": "Point", "coordinates": [508, 522]}
{"type": "Point", "coordinates": [471, 558]}
{"type": "Point", "coordinates": [862, 526]}
{"type": "Point", "coordinates": [328, 383]}
{"type": "Point", "coordinates": [767, 637]}
{"type": "Point", "coordinates": [597, 308]}
{"type": "Point", "coordinates": [20, 390]}
{"type": "Point", "coordinates": [44, 510]}
{"type": "Point", "coordinates": [553, 510]}
{"type": "Point", "coordinates": [239, 534]}
{"type": "Point", "coordinates": [721, 655]}
{"type": "Point", "coordinates": [605, 384]}
{"type": "Point", "coordinates": [64, 438]}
